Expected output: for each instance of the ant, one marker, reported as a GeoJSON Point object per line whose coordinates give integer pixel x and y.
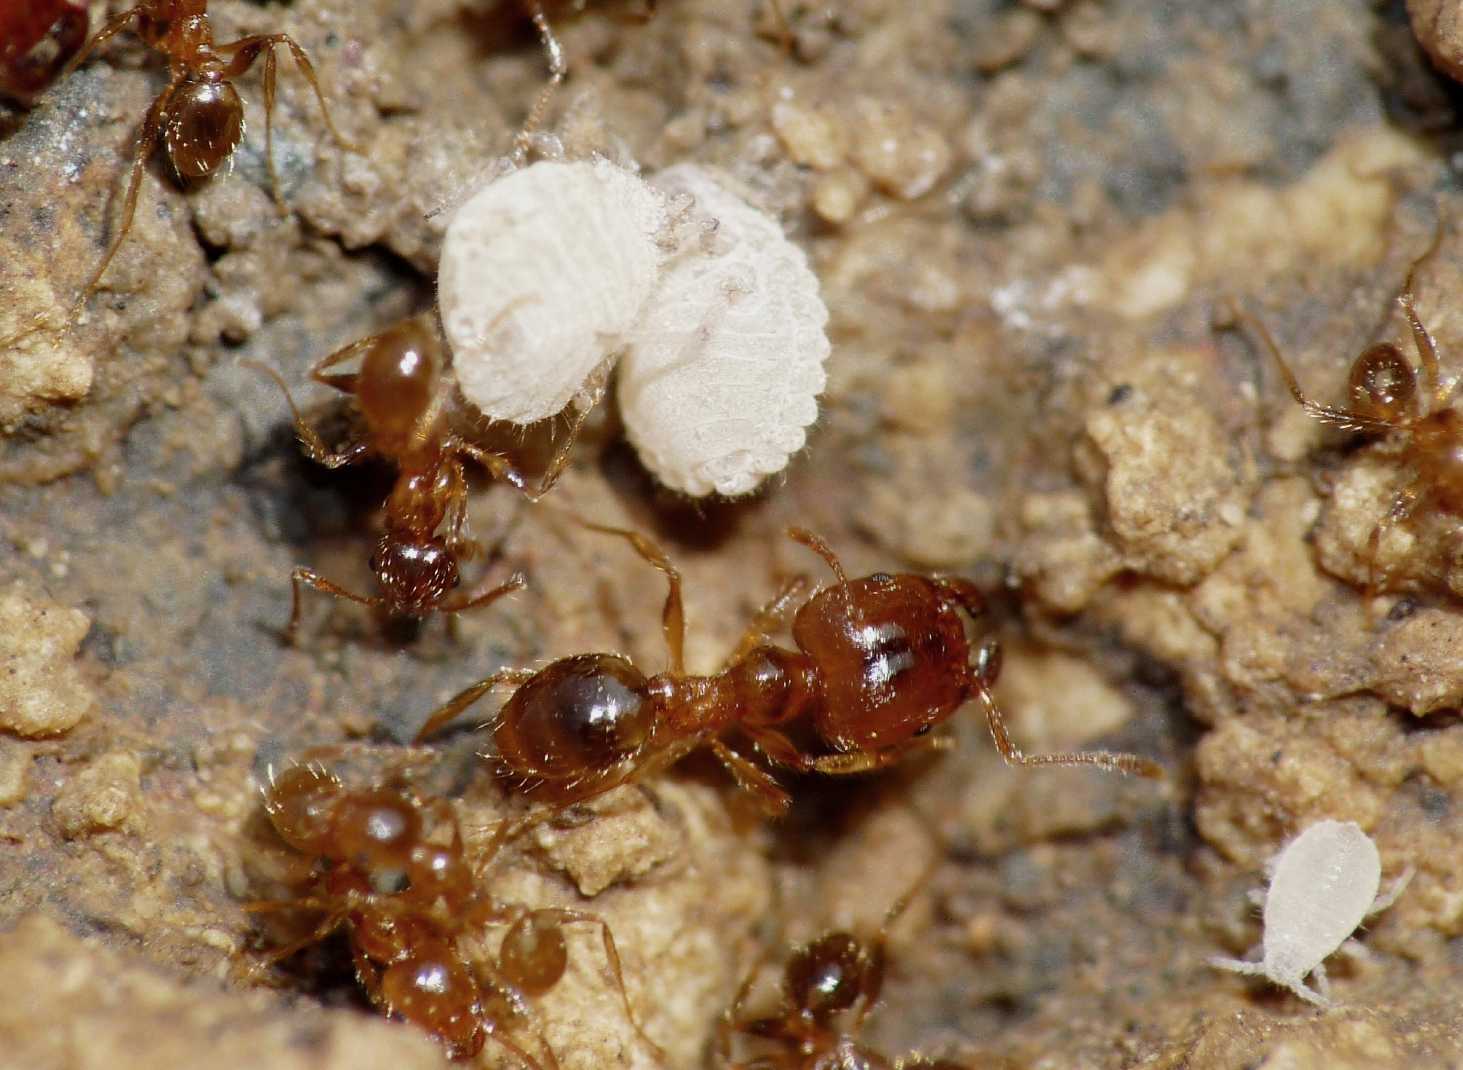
{"type": "Point", "coordinates": [198, 118]}
{"type": "Point", "coordinates": [399, 391]}
{"type": "Point", "coordinates": [880, 661]}
{"type": "Point", "coordinates": [402, 896]}
{"type": "Point", "coordinates": [38, 38]}
{"type": "Point", "coordinates": [836, 974]}
{"type": "Point", "coordinates": [1385, 399]}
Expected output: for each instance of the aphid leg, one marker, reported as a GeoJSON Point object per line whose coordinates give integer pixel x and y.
{"type": "Point", "coordinates": [465, 698]}
{"type": "Point", "coordinates": [612, 955]}
{"type": "Point", "coordinates": [1386, 898]}
{"type": "Point", "coordinates": [1321, 995]}
{"type": "Point", "coordinates": [673, 616]}
{"type": "Point", "coordinates": [770, 617]}
{"type": "Point", "coordinates": [515, 582]}
{"type": "Point", "coordinates": [248, 49]}
{"type": "Point", "coordinates": [557, 70]}
{"type": "Point", "coordinates": [1110, 760]}
{"type": "Point", "coordinates": [560, 460]}
{"type": "Point", "coordinates": [756, 782]}
{"type": "Point", "coordinates": [310, 440]}
{"type": "Point", "coordinates": [1400, 510]}
{"type": "Point", "coordinates": [1254, 968]}
{"type": "Point", "coordinates": [498, 466]}
{"type": "Point", "coordinates": [821, 548]}
{"type": "Point", "coordinates": [1325, 413]}
{"type": "Point", "coordinates": [311, 578]}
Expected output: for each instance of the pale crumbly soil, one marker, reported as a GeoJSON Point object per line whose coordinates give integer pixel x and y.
{"type": "Point", "coordinates": [1028, 219]}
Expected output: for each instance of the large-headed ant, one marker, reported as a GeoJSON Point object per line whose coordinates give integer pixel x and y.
{"type": "Point", "coordinates": [198, 118]}
{"type": "Point", "coordinates": [1385, 398]}
{"type": "Point", "coordinates": [403, 399]}
{"type": "Point", "coordinates": [38, 38]}
{"type": "Point", "coordinates": [880, 662]}
{"type": "Point", "coordinates": [384, 874]}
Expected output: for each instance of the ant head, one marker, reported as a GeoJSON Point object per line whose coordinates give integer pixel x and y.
{"type": "Point", "coordinates": [829, 975]}
{"type": "Point", "coordinates": [202, 127]}
{"type": "Point", "coordinates": [399, 378]}
{"type": "Point", "coordinates": [415, 575]}
{"type": "Point", "coordinates": [1383, 384]}
{"type": "Point", "coordinates": [301, 805]}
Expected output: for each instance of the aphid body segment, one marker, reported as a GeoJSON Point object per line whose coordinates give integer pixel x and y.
{"type": "Point", "coordinates": [723, 374]}
{"type": "Point", "coordinates": [403, 895]}
{"type": "Point", "coordinates": [879, 662]}
{"type": "Point", "coordinates": [37, 39]}
{"type": "Point", "coordinates": [1323, 884]}
{"type": "Point", "coordinates": [543, 273]}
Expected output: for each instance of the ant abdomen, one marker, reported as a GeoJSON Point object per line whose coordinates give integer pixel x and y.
{"type": "Point", "coordinates": [434, 988]}
{"type": "Point", "coordinates": [399, 380]}
{"type": "Point", "coordinates": [533, 955]}
{"type": "Point", "coordinates": [892, 657]}
{"type": "Point", "coordinates": [202, 126]}
{"type": "Point", "coordinates": [578, 718]}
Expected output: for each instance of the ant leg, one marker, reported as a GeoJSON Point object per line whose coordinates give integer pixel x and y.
{"type": "Point", "coordinates": [758, 783]}
{"type": "Point", "coordinates": [102, 36]}
{"type": "Point", "coordinates": [963, 593]}
{"type": "Point", "coordinates": [726, 1026]}
{"type": "Point", "coordinates": [313, 579]}
{"type": "Point", "coordinates": [1400, 510]}
{"type": "Point", "coordinates": [770, 616]}
{"type": "Point", "coordinates": [673, 616]}
{"type": "Point", "coordinates": [1346, 418]}
{"type": "Point", "coordinates": [467, 697]}
{"type": "Point", "coordinates": [498, 466]}
{"type": "Point", "coordinates": [612, 954]}
{"type": "Point", "coordinates": [1011, 754]}
{"type": "Point", "coordinates": [821, 548]}
{"type": "Point", "coordinates": [310, 440]}
{"type": "Point", "coordinates": [783, 26]}
{"type": "Point", "coordinates": [1427, 349]}
{"type": "Point", "coordinates": [557, 70]}
{"type": "Point", "coordinates": [515, 582]}
{"type": "Point", "coordinates": [247, 49]}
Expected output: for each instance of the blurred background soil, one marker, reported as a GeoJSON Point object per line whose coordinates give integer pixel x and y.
{"type": "Point", "coordinates": [1028, 219]}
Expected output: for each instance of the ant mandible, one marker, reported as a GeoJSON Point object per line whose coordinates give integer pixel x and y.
{"type": "Point", "coordinates": [38, 38]}
{"type": "Point", "coordinates": [198, 118]}
{"type": "Point", "coordinates": [880, 661]}
{"type": "Point", "coordinates": [1384, 398]}
{"type": "Point", "coordinates": [402, 398]}
{"type": "Point", "coordinates": [837, 974]}
{"type": "Point", "coordinates": [383, 874]}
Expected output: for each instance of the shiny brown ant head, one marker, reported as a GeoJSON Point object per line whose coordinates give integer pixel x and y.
{"type": "Point", "coordinates": [434, 989]}
{"type": "Point", "coordinates": [301, 804]}
{"type": "Point", "coordinates": [399, 380]}
{"type": "Point", "coordinates": [829, 975]}
{"type": "Point", "coordinates": [415, 575]}
{"type": "Point", "coordinates": [203, 125]}
{"type": "Point", "coordinates": [1383, 384]}
{"type": "Point", "coordinates": [576, 719]}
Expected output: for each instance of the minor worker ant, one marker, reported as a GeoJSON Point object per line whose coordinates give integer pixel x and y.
{"type": "Point", "coordinates": [837, 974]}
{"type": "Point", "coordinates": [198, 118]}
{"type": "Point", "coordinates": [38, 39]}
{"type": "Point", "coordinates": [880, 662]}
{"type": "Point", "coordinates": [402, 399]}
{"type": "Point", "coordinates": [1385, 399]}
{"type": "Point", "coordinates": [383, 874]}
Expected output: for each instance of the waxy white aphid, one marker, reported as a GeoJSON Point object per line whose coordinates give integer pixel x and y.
{"type": "Point", "coordinates": [543, 273]}
{"type": "Point", "coordinates": [726, 363]}
{"type": "Point", "coordinates": [1323, 884]}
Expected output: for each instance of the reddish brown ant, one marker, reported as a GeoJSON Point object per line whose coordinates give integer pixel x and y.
{"type": "Point", "coordinates": [823, 982]}
{"type": "Point", "coordinates": [880, 661]}
{"type": "Point", "coordinates": [402, 398]}
{"type": "Point", "coordinates": [198, 118]}
{"type": "Point", "coordinates": [383, 874]}
{"type": "Point", "coordinates": [38, 38]}
{"type": "Point", "coordinates": [1385, 399]}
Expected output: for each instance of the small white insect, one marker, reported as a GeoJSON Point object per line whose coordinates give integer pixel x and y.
{"type": "Point", "coordinates": [726, 363]}
{"type": "Point", "coordinates": [543, 273]}
{"type": "Point", "coordinates": [1323, 884]}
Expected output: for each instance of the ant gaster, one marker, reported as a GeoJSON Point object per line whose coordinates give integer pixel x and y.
{"type": "Point", "coordinates": [1384, 399]}
{"type": "Point", "coordinates": [403, 897]}
{"type": "Point", "coordinates": [402, 399]}
{"type": "Point", "coordinates": [198, 118]}
{"type": "Point", "coordinates": [880, 661]}
{"type": "Point", "coordinates": [38, 38]}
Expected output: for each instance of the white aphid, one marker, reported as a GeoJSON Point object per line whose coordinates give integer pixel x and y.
{"type": "Point", "coordinates": [543, 273]}
{"type": "Point", "coordinates": [725, 365]}
{"type": "Point", "coordinates": [1323, 884]}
